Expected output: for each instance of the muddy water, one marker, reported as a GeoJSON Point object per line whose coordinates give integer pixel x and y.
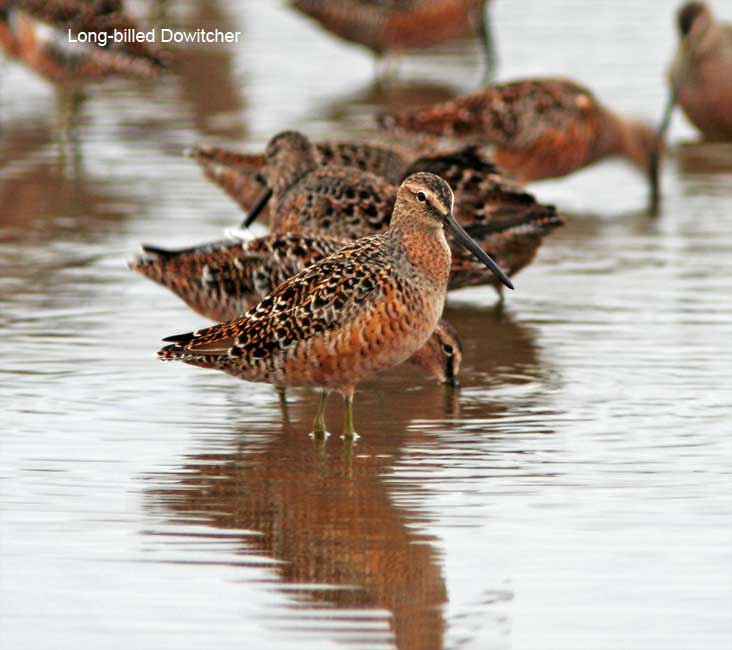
{"type": "Point", "coordinates": [574, 493]}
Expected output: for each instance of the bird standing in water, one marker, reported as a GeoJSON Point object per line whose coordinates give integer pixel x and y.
{"type": "Point", "coordinates": [701, 72]}
{"type": "Point", "coordinates": [481, 189]}
{"type": "Point", "coordinates": [366, 308]}
{"type": "Point", "coordinates": [222, 280]}
{"type": "Point", "coordinates": [395, 26]}
{"type": "Point", "coordinates": [537, 128]}
{"type": "Point", "coordinates": [348, 202]}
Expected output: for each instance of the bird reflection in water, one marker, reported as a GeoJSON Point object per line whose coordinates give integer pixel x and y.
{"type": "Point", "coordinates": [37, 188]}
{"type": "Point", "coordinates": [347, 537]}
{"type": "Point", "coordinates": [207, 76]}
{"type": "Point", "coordinates": [327, 514]}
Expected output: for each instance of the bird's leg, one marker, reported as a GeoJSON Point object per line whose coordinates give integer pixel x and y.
{"type": "Point", "coordinates": [319, 424]}
{"type": "Point", "coordinates": [348, 430]}
{"type": "Point", "coordinates": [68, 104]}
{"type": "Point", "coordinates": [501, 294]}
{"type": "Point", "coordinates": [484, 31]}
{"type": "Point", "coordinates": [282, 395]}
{"type": "Point", "coordinates": [348, 444]}
{"type": "Point", "coordinates": [386, 68]}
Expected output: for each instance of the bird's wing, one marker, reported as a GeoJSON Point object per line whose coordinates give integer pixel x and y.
{"type": "Point", "coordinates": [323, 296]}
{"type": "Point", "coordinates": [509, 115]}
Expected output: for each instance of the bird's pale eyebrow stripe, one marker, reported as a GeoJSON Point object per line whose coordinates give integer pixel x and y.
{"type": "Point", "coordinates": [437, 202]}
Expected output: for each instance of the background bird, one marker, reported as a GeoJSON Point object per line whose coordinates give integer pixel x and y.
{"type": "Point", "coordinates": [348, 202]}
{"type": "Point", "coordinates": [36, 32]}
{"type": "Point", "coordinates": [395, 26]}
{"type": "Point", "coordinates": [701, 72]}
{"type": "Point", "coordinates": [537, 128]}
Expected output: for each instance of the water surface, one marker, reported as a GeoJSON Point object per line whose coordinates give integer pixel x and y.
{"type": "Point", "coordinates": [574, 493]}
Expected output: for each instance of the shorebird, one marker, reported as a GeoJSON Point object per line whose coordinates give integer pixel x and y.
{"type": "Point", "coordinates": [241, 174]}
{"type": "Point", "coordinates": [368, 307]}
{"type": "Point", "coordinates": [396, 26]}
{"type": "Point", "coordinates": [348, 202]}
{"type": "Point", "coordinates": [537, 128]}
{"type": "Point", "coordinates": [701, 72]}
{"type": "Point", "coordinates": [222, 280]}
{"type": "Point", "coordinates": [36, 32]}
{"type": "Point", "coordinates": [476, 181]}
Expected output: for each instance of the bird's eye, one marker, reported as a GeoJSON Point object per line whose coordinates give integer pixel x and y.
{"type": "Point", "coordinates": [448, 349]}
{"type": "Point", "coordinates": [421, 197]}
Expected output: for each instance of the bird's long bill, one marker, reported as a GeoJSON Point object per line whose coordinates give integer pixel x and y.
{"type": "Point", "coordinates": [257, 208]}
{"type": "Point", "coordinates": [462, 238]}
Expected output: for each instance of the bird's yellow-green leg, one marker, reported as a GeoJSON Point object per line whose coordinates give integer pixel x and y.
{"type": "Point", "coordinates": [387, 66]}
{"type": "Point", "coordinates": [319, 424]}
{"type": "Point", "coordinates": [348, 444]}
{"type": "Point", "coordinates": [348, 430]}
{"type": "Point", "coordinates": [282, 395]}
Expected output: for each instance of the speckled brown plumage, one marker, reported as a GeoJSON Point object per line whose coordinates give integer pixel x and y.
{"type": "Point", "coordinates": [241, 175]}
{"type": "Point", "coordinates": [386, 26]}
{"type": "Point", "coordinates": [367, 307]}
{"type": "Point", "coordinates": [36, 32]}
{"type": "Point", "coordinates": [222, 280]}
{"type": "Point", "coordinates": [442, 355]}
{"type": "Point", "coordinates": [702, 70]}
{"type": "Point", "coordinates": [538, 128]}
{"type": "Point", "coordinates": [480, 187]}
{"type": "Point", "coordinates": [348, 203]}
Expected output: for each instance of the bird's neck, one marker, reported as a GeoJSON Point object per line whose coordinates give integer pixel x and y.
{"type": "Point", "coordinates": [707, 43]}
{"type": "Point", "coordinates": [287, 175]}
{"type": "Point", "coordinates": [635, 140]}
{"type": "Point", "coordinates": [428, 253]}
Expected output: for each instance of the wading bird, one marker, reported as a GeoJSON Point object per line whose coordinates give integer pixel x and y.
{"type": "Point", "coordinates": [701, 72]}
{"type": "Point", "coordinates": [344, 199]}
{"type": "Point", "coordinates": [366, 308]}
{"type": "Point", "coordinates": [395, 26]}
{"type": "Point", "coordinates": [222, 280]}
{"type": "Point", "coordinates": [70, 42]}
{"type": "Point", "coordinates": [537, 128]}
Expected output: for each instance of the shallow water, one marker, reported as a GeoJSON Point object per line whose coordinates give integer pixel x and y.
{"type": "Point", "coordinates": [574, 493]}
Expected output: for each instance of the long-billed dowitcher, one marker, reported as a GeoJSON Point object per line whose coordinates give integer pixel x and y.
{"type": "Point", "coordinates": [241, 174]}
{"type": "Point", "coordinates": [367, 307]}
{"type": "Point", "coordinates": [348, 202]}
{"type": "Point", "coordinates": [222, 280]}
{"type": "Point", "coordinates": [476, 181]}
{"type": "Point", "coordinates": [701, 72]}
{"type": "Point", "coordinates": [538, 128]}
{"type": "Point", "coordinates": [36, 32]}
{"type": "Point", "coordinates": [396, 26]}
